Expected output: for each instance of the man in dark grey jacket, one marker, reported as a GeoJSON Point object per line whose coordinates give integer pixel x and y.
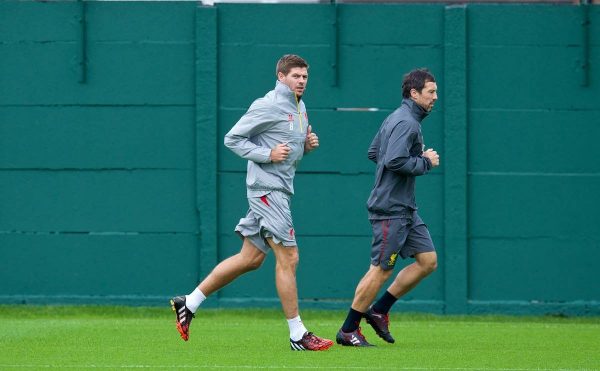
{"type": "Point", "coordinates": [398, 151]}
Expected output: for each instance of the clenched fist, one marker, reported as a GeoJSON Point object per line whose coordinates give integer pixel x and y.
{"type": "Point", "coordinates": [280, 153]}
{"type": "Point", "coordinates": [432, 156]}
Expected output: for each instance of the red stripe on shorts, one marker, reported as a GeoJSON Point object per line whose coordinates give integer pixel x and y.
{"type": "Point", "coordinates": [385, 228]}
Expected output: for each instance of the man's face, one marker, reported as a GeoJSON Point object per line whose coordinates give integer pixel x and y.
{"type": "Point", "coordinates": [296, 79]}
{"type": "Point", "coordinates": [427, 97]}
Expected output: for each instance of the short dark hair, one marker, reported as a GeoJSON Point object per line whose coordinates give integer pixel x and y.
{"type": "Point", "coordinates": [416, 79]}
{"type": "Point", "coordinates": [289, 61]}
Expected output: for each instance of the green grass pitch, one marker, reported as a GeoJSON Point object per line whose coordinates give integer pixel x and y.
{"type": "Point", "coordinates": [99, 337]}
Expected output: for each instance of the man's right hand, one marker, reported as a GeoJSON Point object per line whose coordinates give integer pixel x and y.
{"type": "Point", "coordinates": [280, 152]}
{"type": "Point", "coordinates": [432, 156]}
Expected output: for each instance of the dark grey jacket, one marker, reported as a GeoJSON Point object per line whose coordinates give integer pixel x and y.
{"type": "Point", "coordinates": [397, 149]}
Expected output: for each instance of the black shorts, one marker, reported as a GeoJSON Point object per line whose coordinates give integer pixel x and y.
{"type": "Point", "coordinates": [405, 236]}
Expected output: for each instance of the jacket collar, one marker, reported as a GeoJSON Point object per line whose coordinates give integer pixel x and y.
{"type": "Point", "coordinates": [416, 111]}
{"type": "Point", "coordinates": [284, 90]}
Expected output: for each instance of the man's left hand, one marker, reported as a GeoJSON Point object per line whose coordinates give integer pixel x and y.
{"type": "Point", "coordinates": [312, 140]}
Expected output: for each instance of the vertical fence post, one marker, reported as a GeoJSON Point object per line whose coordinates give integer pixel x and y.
{"type": "Point", "coordinates": [206, 136]}
{"type": "Point", "coordinates": [82, 39]}
{"type": "Point", "coordinates": [334, 50]}
{"type": "Point", "coordinates": [455, 159]}
{"type": "Point", "coordinates": [585, 42]}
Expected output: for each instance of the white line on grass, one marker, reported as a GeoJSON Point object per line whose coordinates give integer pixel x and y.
{"type": "Point", "coordinates": [294, 367]}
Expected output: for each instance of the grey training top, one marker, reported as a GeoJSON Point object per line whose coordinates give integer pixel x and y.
{"type": "Point", "coordinates": [273, 119]}
{"type": "Point", "coordinates": [397, 149]}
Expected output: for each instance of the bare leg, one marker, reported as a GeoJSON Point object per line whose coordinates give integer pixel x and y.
{"type": "Point", "coordinates": [249, 258]}
{"type": "Point", "coordinates": [412, 274]}
{"type": "Point", "coordinates": [285, 277]}
{"type": "Point", "coordinates": [368, 287]}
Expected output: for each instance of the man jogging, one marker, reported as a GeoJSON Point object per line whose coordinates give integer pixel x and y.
{"type": "Point", "coordinates": [273, 135]}
{"type": "Point", "coordinates": [398, 151]}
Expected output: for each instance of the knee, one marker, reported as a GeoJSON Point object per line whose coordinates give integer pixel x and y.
{"type": "Point", "coordinates": [250, 257]}
{"type": "Point", "coordinates": [293, 260]}
{"type": "Point", "coordinates": [429, 264]}
{"type": "Point", "coordinates": [384, 275]}
{"type": "Point", "coordinates": [289, 261]}
{"type": "Point", "coordinates": [250, 261]}
{"type": "Point", "coordinates": [432, 266]}
{"type": "Point", "coordinates": [255, 262]}
{"type": "Point", "coordinates": [378, 274]}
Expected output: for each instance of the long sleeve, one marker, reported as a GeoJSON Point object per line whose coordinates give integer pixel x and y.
{"type": "Point", "coordinates": [398, 156]}
{"type": "Point", "coordinates": [374, 148]}
{"type": "Point", "coordinates": [238, 139]}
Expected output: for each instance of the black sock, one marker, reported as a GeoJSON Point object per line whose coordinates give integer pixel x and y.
{"type": "Point", "coordinates": [385, 302]}
{"type": "Point", "coordinates": [352, 321]}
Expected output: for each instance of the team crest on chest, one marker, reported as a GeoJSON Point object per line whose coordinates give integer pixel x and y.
{"type": "Point", "coordinates": [291, 121]}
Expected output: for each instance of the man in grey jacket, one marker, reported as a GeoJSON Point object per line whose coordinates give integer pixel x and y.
{"type": "Point", "coordinates": [398, 151]}
{"type": "Point", "coordinates": [273, 135]}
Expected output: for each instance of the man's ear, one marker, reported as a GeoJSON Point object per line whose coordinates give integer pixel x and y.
{"type": "Point", "coordinates": [414, 93]}
{"type": "Point", "coordinates": [280, 76]}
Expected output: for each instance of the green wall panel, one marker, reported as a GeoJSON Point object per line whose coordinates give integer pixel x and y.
{"type": "Point", "coordinates": [594, 13]}
{"type": "Point", "coordinates": [273, 24]}
{"type": "Point", "coordinates": [543, 269]}
{"type": "Point", "coordinates": [72, 266]}
{"type": "Point", "coordinates": [97, 201]}
{"type": "Point", "coordinates": [524, 25]}
{"type": "Point", "coordinates": [91, 137]}
{"type": "Point", "coordinates": [534, 141]}
{"type": "Point", "coordinates": [38, 22]}
{"type": "Point", "coordinates": [530, 206]}
{"type": "Point", "coordinates": [139, 22]}
{"type": "Point", "coordinates": [514, 77]}
{"type": "Point", "coordinates": [392, 25]}
{"type": "Point", "coordinates": [59, 21]}
{"type": "Point", "coordinates": [47, 74]}
{"type": "Point", "coordinates": [534, 206]}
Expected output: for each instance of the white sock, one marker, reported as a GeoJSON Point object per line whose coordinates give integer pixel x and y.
{"type": "Point", "coordinates": [193, 300]}
{"type": "Point", "coordinates": [297, 328]}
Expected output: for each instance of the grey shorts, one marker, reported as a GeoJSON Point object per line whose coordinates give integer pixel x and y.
{"type": "Point", "coordinates": [269, 216]}
{"type": "Point", "coordinates": [405, 236]}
